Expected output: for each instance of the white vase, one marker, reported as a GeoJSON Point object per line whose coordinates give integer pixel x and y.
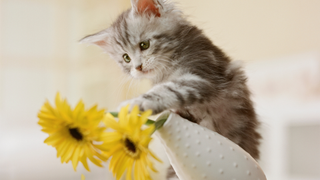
{"type": "Point", "coordinates": [197, 153]}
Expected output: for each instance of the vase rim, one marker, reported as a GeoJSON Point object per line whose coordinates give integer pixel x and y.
{"type": "Point", "coordinates": [166, 114]}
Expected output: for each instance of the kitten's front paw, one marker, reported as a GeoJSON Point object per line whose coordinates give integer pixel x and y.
{"type": "Point", "coordinates": [144, 104]}
{"type": "Point", "coordinates": [131, 103]}
{"type": "Point", "coordinates": [155, 106]}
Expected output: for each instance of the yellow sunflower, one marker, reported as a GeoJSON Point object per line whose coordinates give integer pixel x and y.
{"type": "Point", "coordinates": [128, 144]}
{"type": "Point", "coordinates": [75, 133]}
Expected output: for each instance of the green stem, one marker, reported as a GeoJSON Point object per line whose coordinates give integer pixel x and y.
{"type": "Point", "coordinates": [158, 124]}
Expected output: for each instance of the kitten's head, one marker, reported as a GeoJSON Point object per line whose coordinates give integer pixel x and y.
{"type": "Point", "coordinates": [139, 40]}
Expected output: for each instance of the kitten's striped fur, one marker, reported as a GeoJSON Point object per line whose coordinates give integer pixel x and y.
{"type": "Point", "coordinates": [191, 76]}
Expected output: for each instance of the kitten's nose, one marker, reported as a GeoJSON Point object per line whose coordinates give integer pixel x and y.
{"type": "Point", "coordinates": [139, 68]}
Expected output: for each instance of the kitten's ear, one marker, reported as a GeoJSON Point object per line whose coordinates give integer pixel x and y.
{"type": "Point", "coordinates": [147, 6]}
{"type": "Point", "coordinates": [99, 39]}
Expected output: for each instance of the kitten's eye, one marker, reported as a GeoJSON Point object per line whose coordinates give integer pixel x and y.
{"type": "Point", "coordinates": [144, 45]}
{"type": "Point", "coordinates": [126, 58]}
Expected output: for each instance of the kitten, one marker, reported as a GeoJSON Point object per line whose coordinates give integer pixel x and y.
{"type": "Point", "coordinates": [191, 76]}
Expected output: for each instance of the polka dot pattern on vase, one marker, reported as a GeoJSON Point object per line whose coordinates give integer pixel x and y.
{"type": "Point", "coordinates": [195, 151]}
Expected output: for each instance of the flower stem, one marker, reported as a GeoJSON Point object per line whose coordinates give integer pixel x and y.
{"type": "Point", "coordinates": [158, 124]}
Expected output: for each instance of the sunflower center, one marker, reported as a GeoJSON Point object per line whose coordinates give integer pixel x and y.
{"type": "Point", "coordinates": [130, 145]}
{"type": "Point", "coordinates": [76, 134]}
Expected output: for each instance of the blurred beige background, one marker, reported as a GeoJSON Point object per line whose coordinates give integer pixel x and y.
{"type": "Point", "coordinates": [278, 40]}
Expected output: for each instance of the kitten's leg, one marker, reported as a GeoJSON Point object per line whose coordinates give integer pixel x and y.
{"type": "Point", "coordinates": [239, 126]}
{"type": "Point", "coordinates": [181, 92]}
{"type": "Point", "coordinates": [171, 174]}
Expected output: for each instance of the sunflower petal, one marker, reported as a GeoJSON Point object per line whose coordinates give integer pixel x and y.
{"type": "Point", "coordinates": [115, 159]}
{"type": "Point", "coordinates": [53, 139]}
{"type": "Point", "coordinates": [85, 163]}
{"type": "Point", "coordinates": [112, 123]}
{"type": "Point", "coordinates": [154, 156]}
{"type": "Point", "coordinates": [123, 167]}
{"type": "Point", "coordinates": [144, 117]}
{"type": "Point", "coordinates": [68, 154]}
{"type": "Point", "coordinates": [46, 116]}
{"type": "Point", "coordinates": [63, 148]}
{"type": "Point", "coordinates": [145, 139]}
{"type": "Point", "coordinates": [75, 158]}
{"type": "Point", "coordinates": [58, 101]}
{"type": "Point", "coordinates": [129, 171]}
{"type": "Point", "coordinates": [78, 112]}
{"type": "Point", "coordinates": [150, 164]}
{"type": "Point", "coordinates": [142, 169]}
{"type": "Point", "coordinates": [136, 171]}
{"type": "Point", "coordinates": [123, 115]}
{"type": "Point", "coordinates": [47, 106]}
{"type": "Point", "coordinates": [149, 130]}
{"type": "Point", "coordinates": [101, 156]}
{"type": "Point", "coordinates": [119, 163]}
{"type": "Point", "coordinates": [89, 154]}
{"type": "Point", "coordinates": [83, 177]}
{"type": "Point", "coordinates": [103, 147]}
{"type": "Point", "coordinates": [93, 109]}
{"type": "Point", "coordinates": [134, 115]}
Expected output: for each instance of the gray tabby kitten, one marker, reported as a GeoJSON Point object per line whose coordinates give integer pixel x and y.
{"type": "Point", "coordinates": [191, 76]}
